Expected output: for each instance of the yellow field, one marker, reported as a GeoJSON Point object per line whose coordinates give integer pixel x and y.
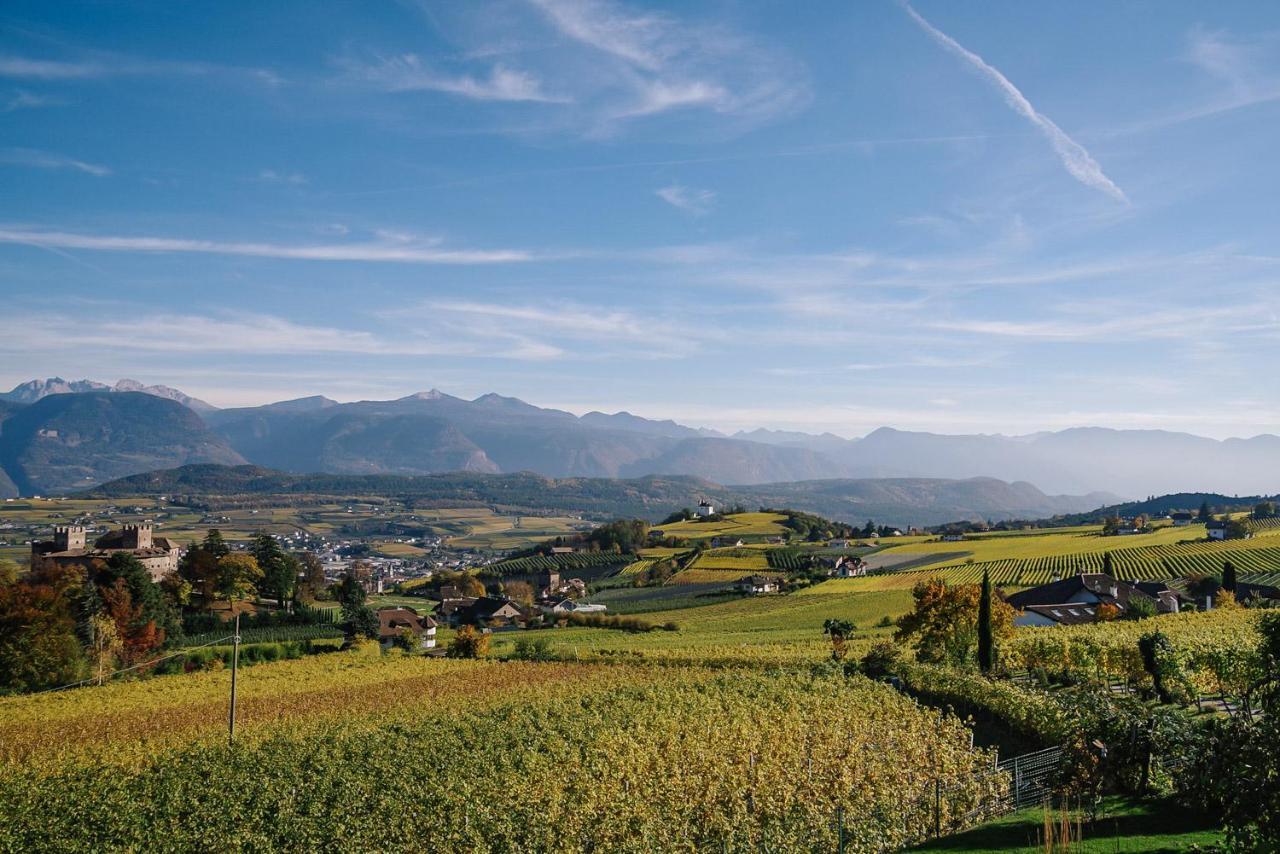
{"type": "Point", "coordinates": [1079, 541]}
{"type": "Point", "coordinates": [741, 525]}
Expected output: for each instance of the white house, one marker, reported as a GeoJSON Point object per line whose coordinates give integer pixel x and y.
{"type": "Point", "coordinates": [705, 509]}
{"type": "Point", "coordinates": [756, 584]}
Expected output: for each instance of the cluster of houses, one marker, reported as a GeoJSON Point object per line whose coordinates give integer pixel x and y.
{"type": "Point", "coordinates": [555, 596]}
{"type": "Point", "coordinates": [1082, 598]}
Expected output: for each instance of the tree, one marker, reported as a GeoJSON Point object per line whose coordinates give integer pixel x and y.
{"type": "Point", "coordinates": [839, 631]}
{"type": "Point", "coordinates": [279, 570]}
{"type": "Point", "coordinates": [1236, 530]}
{"type": "Point", "coordinates": [238, 577]}
{"type": "Point", "coordinates": [986, 639]}
{"type": "Point", "coordinates": [1158, 660]}
{"type": "Point", "coordinates": [38, 643]}
{"type": "Point", "coordinates": [520, 592]}
{"type": "Point", "coordinates": [348, 591]}
{"type": "Point", "coordinates": [153, 606]}
{"type": "Point", "coordinates": [1108, 567]}
{"type": "Point", "coordinates": [1229, 576]}
{"type": "Point", "coordinates": [943, 625]}
{"type": "Point", "coordinates": [104, 645]}
{"type": "Point", "coordinates": [311, 585]}
{"type": "Point", "coordinates": [1204, 515]}
{"type": "Point", "coordinates": [199, 568]}
{"type": "Point", "coordinates": [881, 660]}
{"type": "Point", "coordinates": [1140, 608]}
{"type": "Point", "coordinates": [214, 544]}
{"type": "Point", "coordinates": [358, 619]}
{"type": "Point", "coordinates": [1264, 510]}
{"type": "Point", "coordinates": [469, 642]}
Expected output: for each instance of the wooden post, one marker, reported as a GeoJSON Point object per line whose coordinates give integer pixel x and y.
{"type": "Point", "coordinates": [235, 665]}
{"type": "Point", "coordinates": [937, 807]}
{"type": "Point", "coordinates": [1017, 785]}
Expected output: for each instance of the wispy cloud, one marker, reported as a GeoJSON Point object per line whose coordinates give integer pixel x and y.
{"type": "Point", "coordinates": [697, 202]}
{"type": "Point", "coordinates": [24, 100]}
{"type": "Point", "coordinates": [408, 73]}
{"type": "Point", "coordinates": [1074, 157]}
{"type": "Point", "coordinates": [271, 176]}
{"type": "Point", "coordinates": [594, 67]}
{"type": "Point", "coordinates": [48, 160]}
{"type": "Point", "coordinates": [543, 332]}
{"type": "Point", "coordinates": [101, 64]}
{"type": "Point", "coordinates": [385, 250]}
{"type": "Point", "coordinates": [47, 69]}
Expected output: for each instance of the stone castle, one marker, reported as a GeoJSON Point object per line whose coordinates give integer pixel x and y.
{"type": "Point", "coordinates": [69, 547]}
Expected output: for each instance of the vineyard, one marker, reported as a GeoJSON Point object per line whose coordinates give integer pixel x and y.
{"type": "Point", "coordinates": [555, 563]}
{"type": "Point", "coordinates": [1215, 648]}
{"type": "Point", "coordinates": [1253, 557]}
{"type": "Point", "coordinates": [590, 771]}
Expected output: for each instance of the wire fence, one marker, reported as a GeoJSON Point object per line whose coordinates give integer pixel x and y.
{"type": "Point", "coordinates": [931, 811]}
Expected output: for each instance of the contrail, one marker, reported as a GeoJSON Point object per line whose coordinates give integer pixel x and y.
{"type": "Point", "coordinates": [1073, 156]}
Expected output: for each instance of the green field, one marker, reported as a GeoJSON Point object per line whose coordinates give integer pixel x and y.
{"type": "Point", "coordinates": [1122, 825]}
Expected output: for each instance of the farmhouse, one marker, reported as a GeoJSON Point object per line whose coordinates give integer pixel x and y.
{"type": "Point", "coordinates": [705, 509]}
{"type": "Point", "coordinates": [1181, 520]}
{"type": "Point", "coordinates": [756, 584]}
{"type": "Point", "coordinates": [1219, 529]}
{"type": "Point", "coordinates": [1077, 599]}
{"type": "Point", "coordinates": [394, 623]}
{"type": "Point", "coordinates": [483, 610]}
{"type": "Point", "coordinates": [69, 547]}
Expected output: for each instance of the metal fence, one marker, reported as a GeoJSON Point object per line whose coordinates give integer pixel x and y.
{"type": "Point", "coordinates": [928, 812]}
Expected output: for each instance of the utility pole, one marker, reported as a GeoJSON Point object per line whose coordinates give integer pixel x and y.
{"type": "Point", "coordinates": [235, 664]}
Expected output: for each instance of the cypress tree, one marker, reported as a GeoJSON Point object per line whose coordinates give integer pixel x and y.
{"type": "Point", "coordinates": [1229, 576]}
{"type": "Point", "coordinates": [1107, 567]}
{"type": "Point", "coordinates": [986, 641]}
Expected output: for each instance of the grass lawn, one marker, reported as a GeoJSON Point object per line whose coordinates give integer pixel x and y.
{"type": "Point", "coordinates": [1123, 825]}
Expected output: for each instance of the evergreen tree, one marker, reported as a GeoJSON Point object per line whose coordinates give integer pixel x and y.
{"type": "Point", "coordinates": [1204, 514]}
{"type": "Point", "coordinates": [279, 570]}
{"type": "Point", "coordinates": [1108, 567]}
{"type": "Point", "coordinates": [214, 544]}
{"type": "Point", "coordinates": [986, 638]}
{"type": "Point", "coordinates": [1229, 576]}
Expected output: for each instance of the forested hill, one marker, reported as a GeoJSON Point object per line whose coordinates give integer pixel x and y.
{"type": "Point", "coordinates": [1163, 505]}
{"type": "Point", "coordinates": [896, 501]}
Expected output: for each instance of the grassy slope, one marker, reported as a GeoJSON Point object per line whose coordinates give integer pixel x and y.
{"type": "Point", "coordinates": [1123, 825]}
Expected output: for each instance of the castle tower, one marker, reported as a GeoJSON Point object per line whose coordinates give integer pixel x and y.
{"type": "Point", "coordinates": [137, 536]}
{"type": "Point", "coordinates": [68, 538]}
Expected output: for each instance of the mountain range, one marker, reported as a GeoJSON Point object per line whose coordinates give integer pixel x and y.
{"type": "Point", "coordinates": [57, 436]}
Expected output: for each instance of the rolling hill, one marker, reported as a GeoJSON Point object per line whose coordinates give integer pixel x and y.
{"type": "Point", "coordinates": [905, 502]}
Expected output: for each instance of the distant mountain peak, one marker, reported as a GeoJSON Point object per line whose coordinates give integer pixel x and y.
{"type": "Point", "coordinates": [34, 390]}
{"type": "Point", "coordinates": [431, 394]}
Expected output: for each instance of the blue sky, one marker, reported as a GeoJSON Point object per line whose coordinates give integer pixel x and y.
{"type": "Point", "coordinates": [1002, 217]}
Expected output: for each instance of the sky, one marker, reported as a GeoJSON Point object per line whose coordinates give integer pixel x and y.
{"type": "Point", "coordinates": [830, 216]}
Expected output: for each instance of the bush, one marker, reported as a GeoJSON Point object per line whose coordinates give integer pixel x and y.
{"type": "Point", "coordinates": [882, 660]}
